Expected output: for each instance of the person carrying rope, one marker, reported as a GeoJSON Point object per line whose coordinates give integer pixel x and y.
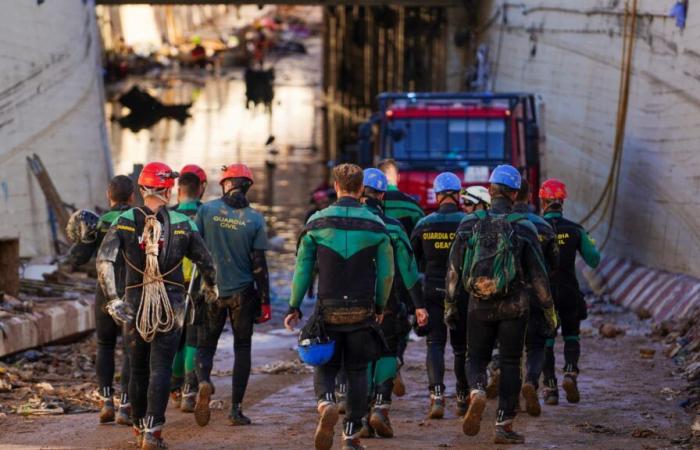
{"type": "Point", "coordinates": [153, 242]}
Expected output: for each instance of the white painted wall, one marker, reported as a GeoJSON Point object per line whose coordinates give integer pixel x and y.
{"type": "Point", "coordinates": [51, 105]}
{"type": "Point", "coordinates": [576, 69]}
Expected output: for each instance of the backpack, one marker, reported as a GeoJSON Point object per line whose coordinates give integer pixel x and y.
{"type": "Point", "coordinates": [491, 263]}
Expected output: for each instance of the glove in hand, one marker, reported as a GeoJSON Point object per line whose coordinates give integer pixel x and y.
{"type": "Point", "coordinates": [122, 312]}
{"type": "Point", "coordinates": [211, 293]}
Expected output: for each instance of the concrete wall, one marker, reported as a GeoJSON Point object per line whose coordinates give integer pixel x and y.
{"type": "Point", "coordinates": [51, 105]}
{"type": "Point", "coordinates": [570, 53]}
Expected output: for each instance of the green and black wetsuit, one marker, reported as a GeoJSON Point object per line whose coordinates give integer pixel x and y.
{"type": "Point", "coordinates": [403, 208]}
{"type": "Point", "coordinates": [355, 274]}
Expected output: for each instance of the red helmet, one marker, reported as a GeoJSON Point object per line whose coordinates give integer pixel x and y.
{"type": "Point", "coordinates": [553, 189]}
{"type": "Point", "coordinates": [157, 175]}
{"type": "Point", "coordinates": [236, 171]}
{"type": "Point", "coordinates": [195, 169]}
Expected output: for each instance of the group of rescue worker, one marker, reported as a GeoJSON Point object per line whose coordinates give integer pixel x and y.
{"type": "Point", "coordinates": [483, 269]}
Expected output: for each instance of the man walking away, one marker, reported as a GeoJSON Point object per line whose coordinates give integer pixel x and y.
{"type": "Point", "coordinates": [153, 242]}
{"type": "Point", "coordinates": [355, 275]}
{"type": "Point", "coordinates": [237, 237]}
{"type": "Point", "coordinates": [495, 255]}
{"type": "Point", "coordinates": [120, 194]}
{"type": "Point", "coordinates": [571, 238]}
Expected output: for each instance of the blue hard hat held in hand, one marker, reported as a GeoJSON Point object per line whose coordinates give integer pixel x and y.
{"type": "Point", "coordinates": [316, 352]}
{"type": "Point", "coordinates": [506, 175]}
{"type": "Point", "coordinates": [375, 179]}
{"type": "Point", "coordinates": [447, 181]}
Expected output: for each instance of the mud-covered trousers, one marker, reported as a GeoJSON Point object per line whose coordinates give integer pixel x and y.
{"type": "Point", "coordinates": [537, 334]}
{"type": "Point", "coordinates": [481, 336]}
{"type": "Point", "coordinates": [353, 349]}
{"type": "Point", "coordinates": [107, 332]}
{"type": "Point", "coordinates": [151, 368]}
{"type": "Point", "coordinates": [241, 310]}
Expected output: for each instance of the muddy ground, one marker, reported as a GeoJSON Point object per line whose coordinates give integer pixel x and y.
{"type": "Point", "coordinates": [628, 403]}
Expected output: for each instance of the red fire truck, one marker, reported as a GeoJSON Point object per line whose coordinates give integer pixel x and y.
{"type": "Point", "coordinates": [466, 133]}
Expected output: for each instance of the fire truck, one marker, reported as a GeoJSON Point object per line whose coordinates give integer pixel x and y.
{"type": "Point", "coordinates": [465, 133]}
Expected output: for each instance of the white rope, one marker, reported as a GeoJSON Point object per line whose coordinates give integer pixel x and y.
{"type": "Point", "coordinates": [155, 312]}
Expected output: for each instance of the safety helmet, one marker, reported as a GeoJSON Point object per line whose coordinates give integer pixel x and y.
{"type": "Point", "coordinates": [157, 175]}
{"type": "Point", "coordinates": [236, 171]}
{"type": "Point", "coordinates": [506, 175]}
{"type": "Point", "coordinates": [316, 352]}
{"type": "Point", "coordinates": [447, 181]}
{"type": "Point", "coordinates": [375, 179]}
{"type": "Point", "coordinates": [553, 189]}
{"type": "Point", "coordinates": [476, 195]}
{"type": "Point", "coordinates": [195, 169]}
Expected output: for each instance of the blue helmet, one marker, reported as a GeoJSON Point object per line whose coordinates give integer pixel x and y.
{"type": "Point", "coordinates": [315, 352]}
{"type": "Point", "coordinates": [447, 181]}
{"type": "Point", "coordinates": [375, 179]}
{"type": "Point", "coordinates": [506, 175]}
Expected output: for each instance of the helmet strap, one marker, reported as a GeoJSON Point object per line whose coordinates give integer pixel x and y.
{"type": "Point", "coordinates": [452, 194]}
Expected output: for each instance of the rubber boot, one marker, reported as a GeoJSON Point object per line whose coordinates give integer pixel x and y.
{"type": "Point", "coordinates": [124, 414]}
{"type": "Point", "coordinates": [399, 388]}
{"type": "Point", "coordinates": [471, 424]}
{"type": "Point", "coordinates": [351, 439]}
{"type": "Point", "coordinates": [532, 402]}
{"type": "Point", "coordinates": [462, 404]}
{"type": "Point", "coordinates": [153, 439]}
{"type": "Point", "coordinates": [202, 413]}
{"type": "Point", "coordinates": [138, 432]}
{"type": "Point", "coordinates": [570, 386]}
{"type": "Point", "coordinates": [505, 435]}
{"type": "Point", "coordinates": [328, 417]}
{"type": "Point", "coordinates": [107, 410]}
{"type": "Point", "coordinates": [493, 384]}
{"type": "Point", "coordinates": [236, 417]}
{"type": "Point", "coordinates": [437, 404]}
{"type": "Point", "coordinates": [379, 420]}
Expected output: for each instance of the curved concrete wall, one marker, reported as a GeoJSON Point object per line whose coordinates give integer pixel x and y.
{"type": "Point", "coordinates": [51, 105]}
{"type": "Point", "coordinates": [570, 53]}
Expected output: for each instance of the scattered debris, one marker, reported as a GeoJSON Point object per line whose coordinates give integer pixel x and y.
{"type": "Point", "coordinates": [643, 314]}
{"type": "Point", "coordinates": [283, 367]}
{"type": "Point", "coordinates": [647, 353]}
{"type": "Point", "coordinates": [608, 330]}
{"type": "Point", "coordinates": [588, 427]}
{"type": "Point", "coordinates": [147, 110]}
{"type": "Point", "coordinates": [645, 433]}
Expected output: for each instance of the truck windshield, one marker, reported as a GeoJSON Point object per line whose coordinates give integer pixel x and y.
{"type": "Point", "coordinates": [447, 139]}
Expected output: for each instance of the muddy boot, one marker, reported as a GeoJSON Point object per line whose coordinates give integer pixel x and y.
{"type": "Point", "coordinates": [202, 413]}
{"type": "Point", "coordinates": [152, 439]}
{"type": "Point", "coordinates": [571, 387]}
{"type": "Point", "coordinates": [176, 399]}
{"type": "Point", "coordinates": [532, 402]}
{"type": "Point", "coordinates": [462, 404]}
{"type": "Point", "coordinates": [138, 432]}
{"type": "Point", "coordinates": [505, 434]}
{"type": "Point", "coordinates": [189, 400]}
{"type": "Point", "coordinates": [340, 396]}
{"type": "Point", "coordinates": [366, 432]}
{"type": "Point", "coordinates": [351, 439]}
{"type": "Point", "coordinates": [437, 404]}
{"type": "Point", "coordinates": [107, 410]}
{"type": "Point", "coordinates": [399, 388]}
{"type": "Point", "coordinates": [328, 417]}
{"type": "Point", "coordinates": [471, 424]}
{"type": "Point", "coordinates": [494, 382]}
{"type": "Point", "coordinates": [379, 420]}
{"type": "Point", "coordinates": [551, 392]}
{"type": "Point", "coordinates": [236, 417]}
{"type": "Point", "coordinates": [124, 414]}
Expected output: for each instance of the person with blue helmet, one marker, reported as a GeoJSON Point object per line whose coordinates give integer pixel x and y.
{"type": "Point", "coordinates": [496, 259]}
{"type": "Point", "coordinates": [406, 288]}
{"type": "Point", "coordinates": [431, 240]}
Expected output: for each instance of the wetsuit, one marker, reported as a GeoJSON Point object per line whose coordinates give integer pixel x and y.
{"type": "Point", "coordinates": [503, 319]}
{"type": "Point", "coordinates": [568, 300]}
{"type": "Point", "coordinates": [151, 362]}
{"type": "Point", "coordinates": [395, 324]}
{"type": "Point", "coordinates": [107, 329]}
{"type": "Point", "coordinates": [184, 363]}
{"type": "Point", "coordinates": [237, 237]}
{"type": "Point", "coordinates": [355, 274]}
{"type": "Point", "coordinates": [431, 240]}
{"type": "Point", "coordinates": [537, 329]}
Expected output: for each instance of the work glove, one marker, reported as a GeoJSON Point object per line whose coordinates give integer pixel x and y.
{"type": "Point", "coordinates": [122, 312]}
{"type": "Point", "coordinates": [451, 316]}
{"type": "Point", "coordinates": [211, 293]}
{"type": "Point", "coordinates": [550, 315]}
{"type": "Point", "coordinates": [265, 313]}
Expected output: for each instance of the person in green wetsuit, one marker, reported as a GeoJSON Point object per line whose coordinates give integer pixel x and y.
{"type": "Point", "coordinates": [395, 324]}
{"type": "Point", "coordinates": [355, 261]}
{"type": "Point", "coordinates": [189, 186]}
{"type": "Point", "coordinates": [120, 194]}
{"type": "Point", "coordinates": [572, 238]}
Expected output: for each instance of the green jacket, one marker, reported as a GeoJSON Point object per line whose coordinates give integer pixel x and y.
{"type": "Point", "coordinates": [403, 208]}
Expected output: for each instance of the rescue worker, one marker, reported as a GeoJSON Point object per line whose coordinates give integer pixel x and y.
{"type": "Point", "coordinates": [201, 174]}
{"type": "Point", "coordinates": [120, 194]}
{"type": "Point", "coordinates": [537, 329]}
{"type": "Point", "coordinates": [237, 237]}
{"type": "Point", "coordinates": [153, 242]}
{"type": "Point", "coordinates": [494, 255]}
{"type": "Point", "coordinates": [571, 307]}
{"type": "Point", "coordinates": [475, 198]}
{"type": "Point", "coordinates": [183, 385]}
{"type": "Point", "coordinates": [406, 210]}
{"type": "Point", "coordinates": [395, 323]}
{"type": "Point", "coordinates": [356, 271]}
{"type": "Point", "coordinates": [431, 240]}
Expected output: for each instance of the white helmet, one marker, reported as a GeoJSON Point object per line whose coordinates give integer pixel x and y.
{"type": "Point", "coordinates": [476, 195]}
